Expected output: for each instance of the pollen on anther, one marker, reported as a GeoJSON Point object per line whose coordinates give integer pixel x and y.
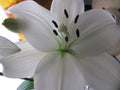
{"type": "Point", "coordinates": [77, 33]}
{"type": "Point", "coordinates": [76, 19]}
{"type": "Point", "coordinates": [55, 32]}
{"type": "Point", "coordinates": [66, 13]}
{"type": "Point", "coordinates": [55, 24]}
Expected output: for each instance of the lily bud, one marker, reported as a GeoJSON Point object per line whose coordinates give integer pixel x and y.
{"type": "Point", "coordinates": [11, 24]}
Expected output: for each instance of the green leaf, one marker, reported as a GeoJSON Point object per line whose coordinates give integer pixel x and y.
{"type": "Point", "coordinates": [11, 24]}
{"type": "Point", "coordinates": [26, 85]}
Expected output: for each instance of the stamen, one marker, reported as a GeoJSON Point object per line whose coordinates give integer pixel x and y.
{"type": "Point", "coordinates": [66, 38]}
{"type": "Point", "coordinates": [55, 32]}
{"type": "Point", "coordinates": [76, 19]}
{"type": "Point", "coordinates": [55, 24]}
{"type": "Point", "coordinates": [77, 33]}
{"type": "Point", "coordinates": [66, 13]}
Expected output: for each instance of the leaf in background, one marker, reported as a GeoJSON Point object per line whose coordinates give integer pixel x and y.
{"type": "Point", "coordinates": [26, 85]}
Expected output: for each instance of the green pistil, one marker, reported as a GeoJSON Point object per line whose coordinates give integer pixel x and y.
{"type": "Point", "coordinates": [64, 30]}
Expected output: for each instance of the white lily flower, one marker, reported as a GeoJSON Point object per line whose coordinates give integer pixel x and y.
{"type": "Point", "coordinates": [14, 63]}
{"type": "Point", "coordinates": [75, 41]}
{"type": "Point", "coordinates": [113, 6]}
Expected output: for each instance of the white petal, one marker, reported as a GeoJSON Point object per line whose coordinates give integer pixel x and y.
{"type": "Point", "coordinates": [112, 6]}
{"type": "Point", "coordinates": [25, 46]}
{"type": "Point", "coordinates": [56, 73]}
{"type": "Point", "coordinates": [32, 7]}
{"type": "Point", "coordinates": [34, 22]}
{"type": "Point", "coordinates": [98, 33]}
{"type": "Point", "coordinates": [73, 7]}
{"type": "Point", "coordinates": [106, 3]}
{"type": "Point", "coordinates": [7, 47]}
{"type": "Point", "coordinates": [101, 72]}
{"type": "Point", "coordinates": [116, 14]}
{"type": "Point", "coordinates": [22, 64]}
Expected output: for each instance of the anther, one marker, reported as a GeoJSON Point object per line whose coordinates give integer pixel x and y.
{"type": "Point", "coordinates": [55, 24]}
{"type": "Point", "coordinates": [66, 38]}
{"type": "Point", "coordinates": [55, 32]}
{"type": "Point", "coordinates": [76, 19]}
{"type": "Point", "coordinates": [77, 33]}
{"type": "Point", "coordinates": [66, 13]}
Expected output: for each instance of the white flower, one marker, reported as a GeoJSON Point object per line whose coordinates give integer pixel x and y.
{"type": "Point", "coordinates": [74, 45]}
{"type": "Point", "coordinates": [113, 6]}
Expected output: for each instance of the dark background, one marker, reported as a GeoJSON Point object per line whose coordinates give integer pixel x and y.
{"type": "Point", "coordinates": [47, 3]}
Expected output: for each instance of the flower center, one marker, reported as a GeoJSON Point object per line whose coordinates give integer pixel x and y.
{"type": "Point", "coordinates": [64, 32]}
{"type": "Point", "coordinates": [65, 39]}
{"type": "Point", "coordinates": [62, 35]}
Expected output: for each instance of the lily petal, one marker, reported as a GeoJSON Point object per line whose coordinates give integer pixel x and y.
{"type": "Point", "coordinates": [7, 47]}
{"type": "Point", "coordinates": [113, 6]}
{"type": "Point", "coordinates": [30, 6]}
{"type": "Point", "coordinates": [116, 14]}
{"type": "Point", "coordinates": [70, 7]}
{"type": "Point", "coordinates": [56, 73]}
{"type": "Point", "coordinates": [22, 64]}
{"type": "Point", "coordinates": [98, 33]}
{"type": "Point", "coordinates": [101, 72]}
{"type": "Point", "coordinates": [106, 3]}
{"type": "Point", "coordinates": [34, 22]}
